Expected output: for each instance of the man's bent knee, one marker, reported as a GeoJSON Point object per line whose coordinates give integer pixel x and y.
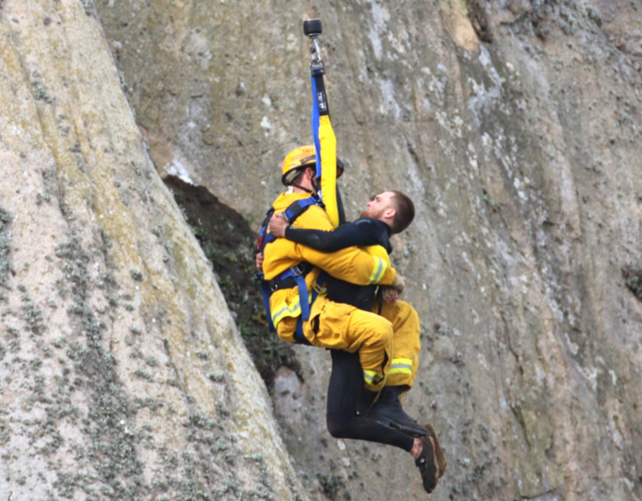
{"type": "Point", "coordinates": [337, 426]}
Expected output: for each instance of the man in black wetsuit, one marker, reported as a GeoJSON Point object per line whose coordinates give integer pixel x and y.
{"type": "Point", "coordinates": [351, 412]}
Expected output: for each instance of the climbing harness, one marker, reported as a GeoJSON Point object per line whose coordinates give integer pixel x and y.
{"type": "Point", "coordinates": [294, 276]}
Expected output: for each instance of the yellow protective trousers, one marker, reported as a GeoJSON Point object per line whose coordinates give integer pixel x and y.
{"type": "Point", "coordinates": [406, 343]}
{"type": "Point", "coordinates": [388, 344]}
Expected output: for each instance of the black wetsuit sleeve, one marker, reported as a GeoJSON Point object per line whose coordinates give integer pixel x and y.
{"type": "Point", "coordinates": [346, 235]}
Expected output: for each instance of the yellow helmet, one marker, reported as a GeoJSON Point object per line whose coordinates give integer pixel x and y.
{"type": "Point", "coordinates": [303, 156]}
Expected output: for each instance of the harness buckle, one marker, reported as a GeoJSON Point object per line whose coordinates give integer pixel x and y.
{"type": "Point", "coordinates": [297, 270]}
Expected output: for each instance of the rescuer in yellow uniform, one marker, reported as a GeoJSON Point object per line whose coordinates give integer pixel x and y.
{"type": "Point", "coordinates": [331, 325]}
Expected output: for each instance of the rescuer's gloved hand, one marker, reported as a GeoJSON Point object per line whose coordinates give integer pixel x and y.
{"type": "Point", "coordinates": [399, 283]}
{"type": "Point", "coordinates": [390, 295]}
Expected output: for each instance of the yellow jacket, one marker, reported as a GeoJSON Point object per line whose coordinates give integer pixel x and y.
{"type": "Point", "coordinates": [352, 264]}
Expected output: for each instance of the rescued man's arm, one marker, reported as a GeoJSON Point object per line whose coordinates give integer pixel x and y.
{"type": "Point", "coordinates": [346, 235]}
{"type": "Point", "coordinates": [351, 264]}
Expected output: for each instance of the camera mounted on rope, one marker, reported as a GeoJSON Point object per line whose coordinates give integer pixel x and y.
{"type": "Point", "coordinates": [312, 28]}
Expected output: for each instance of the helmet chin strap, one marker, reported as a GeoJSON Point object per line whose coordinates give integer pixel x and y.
{"type": "Point", "coordinates": [315, 186]}
{"type": "Point", "coordinates": [296, 185]}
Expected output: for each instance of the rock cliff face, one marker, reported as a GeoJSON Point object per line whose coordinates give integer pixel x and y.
{"type": "Point", "coordinates": [515, 127]}
{"type": "Point", "coordinates": [123, 375]}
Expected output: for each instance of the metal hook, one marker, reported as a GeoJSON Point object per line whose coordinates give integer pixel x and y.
{"type": "Point", "coordinates": [316, 66]}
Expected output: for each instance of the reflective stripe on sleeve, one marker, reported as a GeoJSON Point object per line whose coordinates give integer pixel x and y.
{"type": "Point", "coordinates": [400, 366]}
{"type": "Point", "coordinates": [371, 377]}
{"type": "Point", "coordinates": [380, 268]}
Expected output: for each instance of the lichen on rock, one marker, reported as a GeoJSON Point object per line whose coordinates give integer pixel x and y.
{"type": "Point", "coordinates": [5, 249]}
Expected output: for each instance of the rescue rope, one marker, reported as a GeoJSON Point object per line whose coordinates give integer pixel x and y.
{"type": "Point", "coordinates": [325, 142]}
